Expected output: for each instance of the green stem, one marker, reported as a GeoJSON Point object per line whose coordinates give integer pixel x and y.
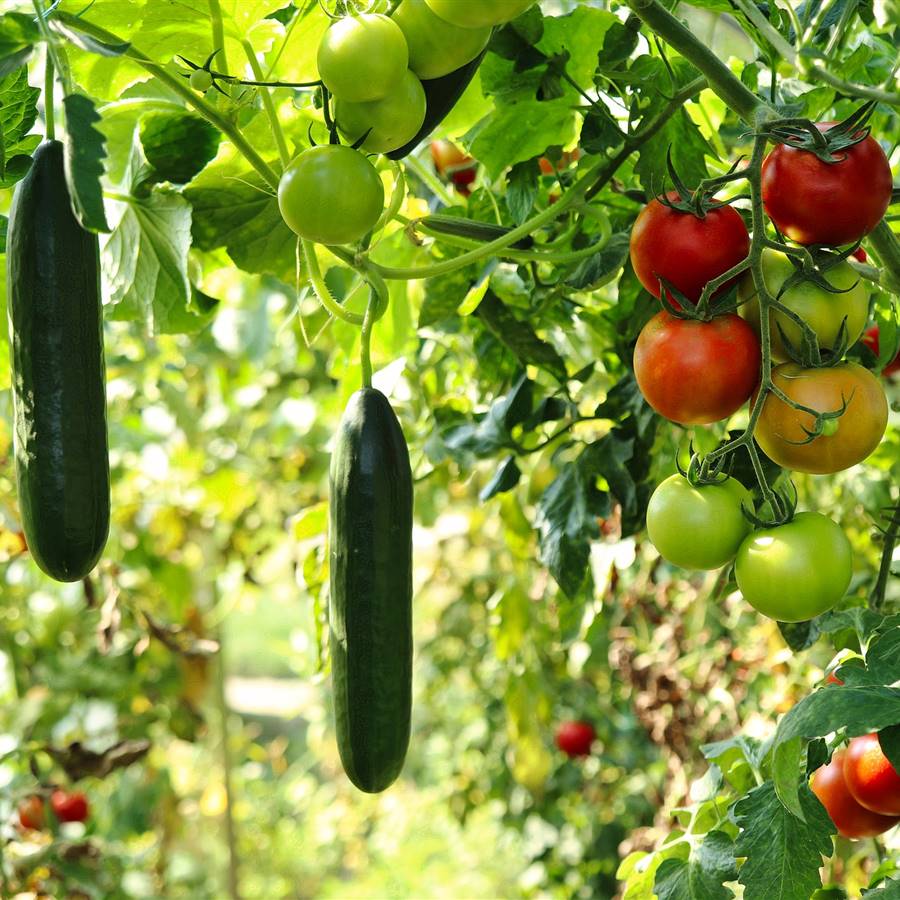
{"type": "Point", "coordinates": [283, 153]}
{"type": "Point", "coordinates": [761, 23]}
{"type": "Point", "coordinates": [430, 180]}
{"type": "Point", "coordinates": [885, 243]}
{"type": "Point", "coordinates": [207, 111]}
{"type": "Point", "coordinates": [49, 118]}
{"type": "Point", "coordinates": [891, 536]}
{"type": "Point", "coordinates": [398, 195]}
{"type": "Point", "coordinates": [218, 32]}
{"type": "Point", "coordinates": [321, 288]}
{"type": "Point", "coordinates": [740, 98]}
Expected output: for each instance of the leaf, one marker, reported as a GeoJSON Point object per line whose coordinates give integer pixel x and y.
{"type": "Point", "coordinates": [492, 431]}
{"type": "Point", "coordinates": [600, 268]}
{"type": "Point", "coordinates": [799, 635]}
{"type": "Point", "coordinates": [178, 145]}
{"type": "Point", "coordinates": [85, 152]}
{"type": "Point", "coordinates": [600, 132]}
{"type": "Point", "coordinates": [783, 854]}
{"type": "Point", "coordinates": [18, 113]}
{"type": "Point", "coordinates": [505, 479]}
{"type": "Point", "coordinates": [521, 189]}
{"type": "Point", "coordinates": [70, 28]}
{"type": "Point", "coordinates": [4, 227]}
{"type": "Point", "coordinates": [18, 32]}
{"type": "Point", "coordinates": [702, 875]}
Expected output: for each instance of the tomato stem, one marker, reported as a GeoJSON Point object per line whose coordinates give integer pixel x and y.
{"type": "Point", "coordinates": [218, 30]}
{"type": "Point", "coordinates": [269, 107]}
{"type": "Point", "coordinates": [321, 288]}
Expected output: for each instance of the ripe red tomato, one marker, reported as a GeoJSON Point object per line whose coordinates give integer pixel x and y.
{"type": "Point", "coordinates": [695, 372]}
{"type": "Point", "coordinates": [69, 807]}
{"type": "Point", "coordinates": [860, 255]}
{"type": "Point", "coordinates": [686, 251]}
{"type": "Point", "coordinates": [870, 339]}
{"type": "Point", "coordinates": [870, 777]}
{"type": "Point", "coordinates": [815, 202]}
{"type": "Point", "coordinates": [850, 819]}
{"type": "Point", "coordinates": [31, 813]}
{"type": "Point", "coordinates": [782, 430]}
{"type": "Point", "coordinates": [575, 738]}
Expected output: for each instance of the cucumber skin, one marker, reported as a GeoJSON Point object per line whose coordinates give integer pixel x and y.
{"type": "Point", "coordinates": [58, 374]}
{"type": "Point", "coordinates": [370, 612]}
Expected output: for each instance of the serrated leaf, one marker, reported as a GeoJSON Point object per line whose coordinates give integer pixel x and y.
{"type": "Point", "coordinates": [492, 431]}
{"type": "Point", "coordinates": [521, 189]}
{"type": "Point", "coordinates": [702, 875]}
{"type": "Point", "coordinates": [505, 479]}
{"type": "Point", "coordinates": [18, 34]}
{"type": "Point", "coordinates": [600, 268]}
{"type": "Point", "coordinates": [85, 152]}
{"type": "Point", "coordinates": [178, 145]}
{"type": "Point", "coordinates": [18, 113]}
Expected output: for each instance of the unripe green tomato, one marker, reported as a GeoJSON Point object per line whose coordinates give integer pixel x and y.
{"type": "Point", "coordinates": [822, 310]}
{"type": "Point", "coordinates": [331, 195]}
{"type": "Point", "coordinates": [698, 527]}
{"type": "Point", "coordinates": [391, 121]}
{"type": "Point", "coordinates": [437, 48]}
{"type": "Point", "coordinates": [479, 13]}
{"type": "Point", "coordinates": [362, 57]}
{"type": "Point", "coordinates": [201, 80]}
{"type": "Point", "coordinates": [796, 571]}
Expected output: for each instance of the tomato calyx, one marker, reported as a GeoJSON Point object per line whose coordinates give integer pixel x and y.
{"type": "Point", "coordinates": [700, 201]}
{"type": "Point", "coordinates": [828, 145]}
{"type": "Point", "coordinates": [700, 473]}
{"type": "Point", "coordinates": [781, 508]}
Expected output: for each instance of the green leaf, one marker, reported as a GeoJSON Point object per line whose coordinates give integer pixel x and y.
{"type": "Point", "coordinates": [178, 145]}
{"type": "Point", "coordinates": [18, 32]}
{"type": "Point", "coordinates": [521, 189]}
{"type": "Point", "coordinates": [18, 113]}
{"type": "Point", "coordinates": [71, 29]}
{"type": "Point", "coordinates": [603, 266]}
{"type": "Point", "coordinates": [4, 227]}
{"type": "Point", "coordinates": [492, 431]}
{"type": "Point", "coordinates": [505, 479]}
{"type": "Point", "coordinates": [702, 875]}
{"type": "Point", "coordinates": [85, 152]}
{"type": "Point", "coordinates": [783, 854]}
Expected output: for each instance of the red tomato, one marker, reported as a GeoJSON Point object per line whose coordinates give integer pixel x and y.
{"type": "Point", "coordinates": [860, 255]}
{"type": "Point", "coordinates": [575, 738]}
{"type": "Point", "coordinates": [31, 813]}
{"type": "Point", "coordinates": [685, 250]}
{"type": "Point", "coordinates": [831, 678]}
{"type": "Point", "coordinates": [870, 777]}
{"type": "Point", "coordinates": [548, 167]}
{"type": "Point", "coordinates": [69, 807]}
{"type": "Point", "coordinates": [695, 372]}
{"type": "Point", "coordinates": [814, 202]}
{"type": "Point", "coordinates": [451, 163]}
{"type": "Point", "coordinates": [870, 339]}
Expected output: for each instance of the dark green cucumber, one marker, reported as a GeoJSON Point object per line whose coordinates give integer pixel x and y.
{"type": "Point", "coordinates": [58, 376]}
{"type": "Point", "coordinates": [370, 613]}
{"type": "Point", "coordinates": [441, 95]}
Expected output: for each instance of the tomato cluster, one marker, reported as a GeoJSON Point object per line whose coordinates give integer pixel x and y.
{"type": "Point", "coordinates": [695, 368]}
{"type": "Point", "coordinates": [67, 806]}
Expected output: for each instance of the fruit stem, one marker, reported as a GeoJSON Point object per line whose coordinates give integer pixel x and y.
{"type": "Point", "coordinates": [218, 31]}
{"type": "Point", "coordinates": [321, 288]}
{"type": "Point", "coordinates": [283, 153]}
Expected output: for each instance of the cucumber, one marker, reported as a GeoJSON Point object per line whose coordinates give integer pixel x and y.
{"type": "Point", "coordinates": [370, 611]}
{"type": "Point", "coordinates": [58, 376]}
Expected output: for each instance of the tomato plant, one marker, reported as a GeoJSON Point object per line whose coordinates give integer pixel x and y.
{"type": "Point", "coordinates": [69, 806]}
{"type": "Point", "coordinates": [813, 201]}
{"type": "Point", "coordinates": [698, 526]}
{"type": "Point", "coordinates": [479, 15]}
{"type": "Point", "coordinates": [850, 818]}
{"type": "Point", "coordinates": [784, 433]}
{"type": "Point", "coordinates": [796, 571]}
{"type": "Point", "coordinates": [575, 738]}
{"type": "Point", "coordinates": [870, 777]}
{"type": "Point", "coordinates": [331, 195]}
{"type": "Point", "coordinates": [684, 249]}
{"type": "Point", "coordinates": [696, 372]}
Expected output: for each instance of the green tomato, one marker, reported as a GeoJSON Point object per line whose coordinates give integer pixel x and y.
{"type": "Point", "coordinates": [201, 80]}
{"type": "Point", "coordinates": [391, 122]}
{"type": "Point", "coordinates": [796, 571]}
{"type": "Point", "coordinates": [363, 57]}
{"type": "Point", "coordinates": [698, 527]}
{"type": "Point", "coordinates": [437, 48]}
{"type": "Point", "coordinates": [821, 309]}
{"type": "Point", "coordinates": [331, 195]}
{"type": "Point", "coordinates": [478, 13]}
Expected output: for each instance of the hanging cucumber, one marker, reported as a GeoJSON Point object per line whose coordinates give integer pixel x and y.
{"type": "Point", "coordinates": [371, 591]}
{"type": "Point", "coordinates": [59, 401]}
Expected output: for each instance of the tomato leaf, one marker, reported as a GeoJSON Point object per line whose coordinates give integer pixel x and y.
{"type": "Point", "coordinates": [504, 479]}
{"type": "Point", "coordinates": [178, 145]}
{"type": "Point", "coordinates": [85, 153]}
{"type": "Point", "coordinates": [702, 875]}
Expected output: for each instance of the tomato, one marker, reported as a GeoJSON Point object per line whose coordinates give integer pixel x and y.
{"type": "Point", "coordinates": [391, 121]}
{"type": "Point", "coordinates": [698, 527]}
{"type": "Point", "coordinates": [575, 738]}
{"type": "Point", "coordinates": [870, 339]}
{"type": "Point", "coordinates": [362, 57]}
{"type": "Point", "coordinates": [478, 13]}
{"type": "Point", "coordinates": [453, 164]}
{"type": "Point", "coordinates": [831, 678]}
{"type": "Point", "coordinates": [870, 777]}
{"type": "Point", "coordinates": [437, 48]}
{"type": "Point", "coordinates": [201, 80]}
{"type": "Point", "coordinates": [853, 436]}
{"type": "Point", "coordinates": [850, 819]}
{"type": "Point", "coordinates": [696, 372]}
{"type": "Point", "coordinates": [796, 571]}
{"type": "Point", "coordinates": [822, 310]}
{"type": "Point", "coordinates": [31, 813]}
{"type": "Point", "coordinates": [685, 250]}
{"type": "Point", "coordinates": [860, 255]}
{"type": "Point", "coordinates": [331, 195]}
{"type": "Point", "coordinates": [815, 202]}
{"type": "Point", "coordinates": [69, 807]}
{"type": "Point", "coordinates": [567, 157]}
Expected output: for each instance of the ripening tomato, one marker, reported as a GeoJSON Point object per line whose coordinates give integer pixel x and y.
{"type": "Point", "coordinates": [31, 813]}
{"type": "Point", "coordinates": [781, 430]}
{"type": "Point", "coordinates": [797, 571]}
{"type": "Point", "coordinates": [698, 526]}
{"type": "Point", "coordinates": [437, 48]}
{"type": "Point", "coordinates": [69, 807]}
{"type": "Point", "coordinates": [860, 255]}
{"type": "Point", "coordinates": [390, 121]}
{"type": "Point", "coordinates": [453, 164]}
{"type": "Point", "coordinates": [870, 339]}
{"type": "Point", "coordinates": [850, 819]}
{"type": "Point", "coordinates": [871, 779]}
{"type": "Point", "coordinates": [696, 372]}
{"type": "Point", "coordinates": [478, 13]}
{"type": "Point", "coordinates": [821, 309]}
{"type": "Point", "coordinates": [575, 738]}
{"type": "Point", "coordinates": [684, 250]}
{"type": "Point", "coordinates": [362, 57]}
{"type": "Point", "coordinates": [815, 202]}
{"type": "Point", "coordinates": [331, 195]}
{"type": "Point", "coordinates": [567, 157]}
